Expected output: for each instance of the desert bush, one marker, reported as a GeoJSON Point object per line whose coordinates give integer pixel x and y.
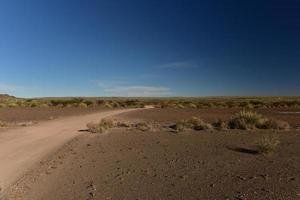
{"type": "Point", "coordinates": [34, 104]}
{"type": "Point", "coordinates": [230, 104]}
{"type": "Point", "coordinates": [88, 103]}
{"type": "Point", "coordinates": [192, 105]}
{"type": "Point", "coordinates": [2, 105]}
{"type": "Point", "coordinates": [246, 105]}
{"type": "Point", "coordinates": [193, 123]}
{"type": "Point", "coordinates": [251, 120]}
{"type": "Point", "coordinates": [198, 124]}
{"type": "Point", "coordinates": [3, 124]}
{"type": "Point", "coordinates": [115, 104]}
{"type": "Point", "coordinates": [104, 125]}
{"type": "Point", "coordinates": [107, 105]}
{"type": "Point", "coordinates": [66, 102]}
{"type": "Point", "coordinates": [123, 124]}
{"type": "Point", "coordinates": [93, 127]}
{"type": "Point", "coordinates": [131, 103]}
{"type": "Point", "coordinates": [246, 120]}
{"type": "Point", "coordinates": [82, 105]}
{"type": "Point", "coordinates": [268, 144]}
{"type": "Point", "coordinates": [100, 102]}
{"type": "Point", "coordinates": [220, 125]}
{"type": "Point", "coordinates": [143, 126]}
{"type": "Point", "coordinates": [12, 105]}
{"type": "Point", "coordinates": [274, 124]}
{"type": "Point", "coordinates": [181, 106]}
{"type": "Point", "coordinates": [44, 105]}
{"type": "Point", "coordinates": [179, 126]}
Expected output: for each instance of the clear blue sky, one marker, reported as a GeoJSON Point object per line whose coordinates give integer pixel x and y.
{"type": "Point", "coordinates": [149, 48]}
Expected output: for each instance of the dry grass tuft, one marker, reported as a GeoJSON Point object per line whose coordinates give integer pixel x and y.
{"type": "Point", "coordinates": [268, 144]}
{"type": "Point", "coordinates": [101, 127]}
{"type": "Point", "coordinates": [3, 124]}
{"type": "Point", "coordinates": [143, 126]}
{"type": "Point", "coordinates": [82, 105]}
{"type": "Point", "coordinates": [220, 125]}
{"type": "Point", "coordinates": [251, 120]}
{"type": "Point", "coordinates": [193, 123]}
{"type": "Point", "coordinates": [275, 124]}
{"type": "Point", "coordinates": [246, 120]}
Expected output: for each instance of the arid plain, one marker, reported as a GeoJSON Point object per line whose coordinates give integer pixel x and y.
{"type": "Point", "coordinates": [146, 148]}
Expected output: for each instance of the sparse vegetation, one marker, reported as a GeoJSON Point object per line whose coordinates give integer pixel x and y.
{"type": "Point", "coordinates": [275, 124]}
{"type": "Point", "coordinates": [246, 120]}
{"type": "Point", "coordinates": [82, 105]}
{"type": "Point", "coordinates": [251, 120]}
{"type": "Point", "coordinates": [220, 125]}
{"type": "Point", "coordinates": [3, 124]}
{"type": "Point", "coordinates": [107, 124]}
{"type": "Point", "coordinates": [268, 144]}
{"type": "Point", "coordinates": [193, 123]}
{"type": "Point", "coordinates": [179, 103]}
{"type": "Point", "coordinates": [143, 126]}
{"type": "Point", "coordinates": [101, 127]}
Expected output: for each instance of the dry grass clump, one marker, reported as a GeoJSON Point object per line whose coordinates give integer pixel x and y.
{"type": "Point", "coordinates": [123, 124]}
{"type": "Point", "coordinates": [220, 125]}
{"type": "Point", "coordinates": [3, 124]}
{"type": "Point", "coordinates": [275, 124]}
{"type": "Point", "coordinates": [143, 126]}
{"type": "Point", "coordinates": [246, 120]}
{"type": "Point", "coordinates": [2, 105]}
{"type": "Point", "coordinates": [104, 125]}
{"type": "Point", "coordinates": [44, 105]}
{"type": "Point", "coordinates": [193, 123]}
{"type": "Point", "coordinates": [107, 124]}
{"type": "Point", "coordinates": [74, 102]}
{"type": "Point", "coordinates": [268, 144]}
{"type": "Point", "coordinates": [251, 120]}
{"type": "Point", "coordinates": [82, 105]}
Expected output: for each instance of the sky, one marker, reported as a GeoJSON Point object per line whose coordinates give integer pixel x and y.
{"type": "Point", "coordinates": [149, 48]}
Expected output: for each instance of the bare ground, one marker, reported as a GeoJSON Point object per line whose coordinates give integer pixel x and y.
{"type": "Point", "coordinates": [22, 148]}
{"type": "Point", "coordinates": [127, 164]}
{"type": "Point", "coordinates": [20, 114]}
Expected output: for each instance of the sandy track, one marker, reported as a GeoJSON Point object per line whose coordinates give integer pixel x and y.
{"type": "Point", "coordinates": [22, 148]}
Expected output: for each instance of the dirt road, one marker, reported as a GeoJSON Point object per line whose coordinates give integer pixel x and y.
{"type": "Point", "coordinates": [22, 148]}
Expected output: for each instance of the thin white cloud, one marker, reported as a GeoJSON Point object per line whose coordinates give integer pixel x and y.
{"type": "Point", "coordinates": [178, 65]}
{"type": "Point", "coordinates": [7, 88]}
{"type": "Point", "coordinates": [123, 87]}
{"type": "Point", "coordinates": [137, 91]}
{"type": "Point", "coordinates": [107, 84]}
